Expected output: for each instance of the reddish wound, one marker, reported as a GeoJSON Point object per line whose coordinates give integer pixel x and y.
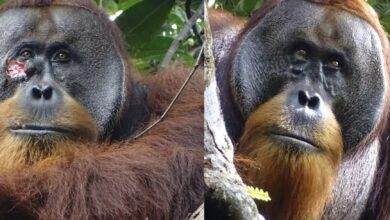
{"type": "Point", "coordinates": [15, 69]}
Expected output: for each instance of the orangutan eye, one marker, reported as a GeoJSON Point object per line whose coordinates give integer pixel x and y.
{"type": "Point", "coordinates": [300, 55]}
{"type": "Point", "coordinates": [61, 56]}
{"type": "Point", "coordinates": [334, 64]}
{"type": "Point", "coordinates": [26, 54]}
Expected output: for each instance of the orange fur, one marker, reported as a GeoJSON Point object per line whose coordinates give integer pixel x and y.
{"type": "Point", "coordinates": [16, 150]}
{"type": "Point", "coordinates": [219, 19]}
{"type": "Point", "coordinates": [299, 183]}
{"type": "Point", "coordinates": [158, 176]}
{"type": "Point", "coordinates": [223, 35]}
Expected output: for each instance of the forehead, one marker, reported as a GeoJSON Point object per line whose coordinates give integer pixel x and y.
{"type": "Point", "coordinates": [48, 22]}
{"type": "Point", "coordinates": [324, 25]}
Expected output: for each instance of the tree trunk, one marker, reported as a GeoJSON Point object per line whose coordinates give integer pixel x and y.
{"type": "Point", "coordinates": [225, 193]}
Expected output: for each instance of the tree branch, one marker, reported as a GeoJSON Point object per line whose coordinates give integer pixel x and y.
{"type": "Point", "coordinates": [182, 34]}
{"type": "Point", "coordinates": [198, 62]}
{"type": "Point", "coordinates": [189, 15]}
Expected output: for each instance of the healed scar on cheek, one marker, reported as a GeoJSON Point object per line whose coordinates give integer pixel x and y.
{"type": "Point", "coordinates": [15, 69]}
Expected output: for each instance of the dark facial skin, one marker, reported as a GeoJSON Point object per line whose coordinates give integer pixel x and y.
{"type": "Point", "coordinates": [68, 50]}
{"type": "Point", "coordinates": [333, 55]}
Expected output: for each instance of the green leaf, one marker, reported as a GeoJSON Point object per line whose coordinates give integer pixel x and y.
{"type": "Point", "coordinates": [141, 21]}
{"type": "Point", "coordinates": [180, 14]}
{"type": "Point", "coordinates": [126, 4]}
{"type": "Point", "coordinates": [258, 194]}
{"type": "Point", "coordinates": [385, 21]}
{"type": "Point", "coordinates": [185, 58]}
{"type": "Point", "coordinates": [110, 6]}
{"type": "Point", "coordinates": [149, 55]}
{"type": "Point", "coordinates": [157, 46]}
{"type": "Point", "coordinates": [248, 6]}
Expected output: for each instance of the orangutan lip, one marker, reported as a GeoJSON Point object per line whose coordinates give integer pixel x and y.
{"type": "Point", "coordinates": [296, 139]}
{"type": "Point", "coordinates": [37, 129]}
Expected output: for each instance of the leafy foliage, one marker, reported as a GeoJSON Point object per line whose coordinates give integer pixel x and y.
{"type": "Point", "coordinates": [150, 26]}
{"type": "Point", "coordinates": [382, 7]}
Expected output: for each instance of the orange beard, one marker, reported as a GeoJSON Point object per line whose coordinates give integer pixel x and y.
{"type": "Point", "coordinates": [16, 150]}
{"type": "Point", "coordinates": [299, 182]}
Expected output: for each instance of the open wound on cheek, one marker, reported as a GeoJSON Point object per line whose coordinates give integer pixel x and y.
{"type": "Point", "coordinates": [15, 69]}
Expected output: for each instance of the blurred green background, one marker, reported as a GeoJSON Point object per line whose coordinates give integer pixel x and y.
{"type": "Point", "coordinates": [150, 27]}
{"type": "Point", "coordinates": [245, 8]}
